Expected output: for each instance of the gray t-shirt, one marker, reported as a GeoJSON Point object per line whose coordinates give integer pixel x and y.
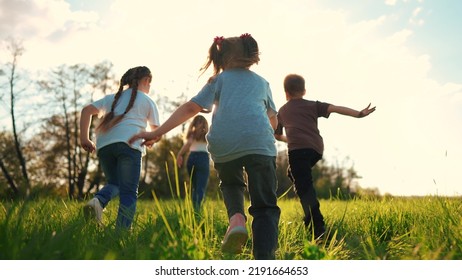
{"type": "Point", "coordinates": [240, 100]}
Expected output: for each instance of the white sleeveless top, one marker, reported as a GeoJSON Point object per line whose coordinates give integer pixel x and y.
{"type": "Point", "coordinates": [198, 146]}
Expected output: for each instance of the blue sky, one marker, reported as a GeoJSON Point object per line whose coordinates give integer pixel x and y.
{"type": "Point", "coordinates": [403, 56]}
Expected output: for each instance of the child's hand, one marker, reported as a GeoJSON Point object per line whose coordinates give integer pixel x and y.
{"type": "Point", "coordinates": [149, 138]}
{"type": "Point", "coordinates": [366, 111]}
{"type": "Point", "coordinates": [88, 145]}
{"type": "Point", "coordinates": [150, 143]}
{"type": "Point", "coordinates": [136, 137]}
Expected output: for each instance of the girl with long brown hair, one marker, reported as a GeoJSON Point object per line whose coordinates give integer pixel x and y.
{"type": "Point", "coordinates": [126, 112]}
{"type": "Point", "coordinates": [198, 163]}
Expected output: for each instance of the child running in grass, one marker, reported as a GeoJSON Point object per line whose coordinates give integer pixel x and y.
{"type": "Point", "coordinates": [127, 112]}
{"type": "Point", "coordinates": [198, 163]}
{"type": "Point", "coordinates": [241, 138]}
{"type": "Point", "coordinates": [299, 118]}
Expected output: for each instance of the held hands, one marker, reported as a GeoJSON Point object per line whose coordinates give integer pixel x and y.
{"type": "Point", "coordinates": [149, 138]}
{"type": "Point", "coordinates": [150, 143]}
{"type": "Point", "coordinates": [366, 111]}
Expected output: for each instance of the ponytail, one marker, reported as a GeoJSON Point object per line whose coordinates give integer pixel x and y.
{"type": "Point", "coordinates": [215, 56]}
{"type": "Point", "coordinates": [239, 52]}
{"type": "Point", "coordinates": [250, 46]}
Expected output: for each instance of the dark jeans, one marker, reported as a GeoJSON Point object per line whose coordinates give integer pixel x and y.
{"type": "Point", "coordinates": [300, 164]}
{"type": "Point", "coordinates": [262, 185]}
{"type": "Point", "coordinates": [199, 169]}
{"type": "Point", "coordinates": [121, 166]}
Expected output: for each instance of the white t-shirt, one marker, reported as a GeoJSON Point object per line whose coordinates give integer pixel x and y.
{"type": "Point", "coordinates": [143, 113]}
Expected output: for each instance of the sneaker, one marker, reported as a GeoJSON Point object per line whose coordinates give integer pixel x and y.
{"type": "Point", "coordinates": [319, 233]}
{"type": "Point", "coordinates": [235, 236]}
{"type": "Point", "coordinates": [93, 210]}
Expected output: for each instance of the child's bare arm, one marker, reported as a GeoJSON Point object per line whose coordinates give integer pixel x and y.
{"type": "Point", "coordinates": [278, 133]}
{"type": "Point", "coordinates": [85, 120]}
{"type": "Point", "coordinates": [183, 150]}
{"type": "Point", "coordinates": [351, 112]}
{"type": "Point", "coordinates": [182, 114]}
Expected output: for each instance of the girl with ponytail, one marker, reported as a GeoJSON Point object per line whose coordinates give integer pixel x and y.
{"type": "Point", "coordinates": [240, 139]}
{"type": "Point", "coordinates": [130, 110]}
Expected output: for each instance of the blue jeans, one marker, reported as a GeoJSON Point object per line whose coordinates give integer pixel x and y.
{"type": "Point", "coordinates": [199, 170]}
{"type": "Point", "coordinates": [262, 185]}
{"type": "Point", "coordinates": [121, 166]}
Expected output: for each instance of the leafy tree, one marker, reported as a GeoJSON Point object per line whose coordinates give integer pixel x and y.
{"type": "Point", "coordinates": [16, 50]}
{"type": "Point", "coordinates": [71, 88]}
{"type": "Point", "coordinates": [8, 161]}
{"type": "Point", "coordinates": [58, 86]}
{"type": "Point", "coordinates": [101, 81]}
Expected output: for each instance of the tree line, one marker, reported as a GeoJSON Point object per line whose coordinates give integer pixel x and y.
{"type": "Point", "coordinates": [40, 153]}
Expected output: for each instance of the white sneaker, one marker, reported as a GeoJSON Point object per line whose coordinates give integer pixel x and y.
{"type": "Point", "coordinates": [93, 209]}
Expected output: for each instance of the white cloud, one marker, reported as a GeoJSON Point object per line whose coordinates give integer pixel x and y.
{"type": "Point", "coordinates": [51, 32]}
{"type": "Point", "coordinates": [390, 2]}
{"type": "Point", "coordinates": [41, 18]}
{"type": "Point", "coordinates": [415, 20]}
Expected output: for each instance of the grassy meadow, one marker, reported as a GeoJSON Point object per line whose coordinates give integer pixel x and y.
{"type": "Point", "coordinates": [424, 228]}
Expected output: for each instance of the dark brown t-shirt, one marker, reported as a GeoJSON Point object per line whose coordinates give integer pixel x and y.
{"type": "Point", "coordinates": [299, 117]}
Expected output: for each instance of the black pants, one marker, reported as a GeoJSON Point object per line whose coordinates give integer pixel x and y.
{"type": "Point", "coordinates": [300, 164]}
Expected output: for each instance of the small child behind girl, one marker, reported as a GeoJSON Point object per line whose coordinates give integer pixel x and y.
{"type": "Point", "coordinates": [198, 163]}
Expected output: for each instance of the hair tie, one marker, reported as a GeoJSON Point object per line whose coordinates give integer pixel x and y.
{"type": "Point", "coordinates": [245, 35]}
{"type": "Point", "coordinates": [218, 40]}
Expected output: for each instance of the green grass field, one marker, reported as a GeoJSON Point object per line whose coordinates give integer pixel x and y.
{"type": "Point", "coordinates": [425, 228]}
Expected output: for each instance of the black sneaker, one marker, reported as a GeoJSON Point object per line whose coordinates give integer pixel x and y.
{"type": "Point", "coordinates": [320, 232]}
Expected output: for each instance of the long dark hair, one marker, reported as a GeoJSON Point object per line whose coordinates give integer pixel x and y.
{"type": "Point", "coordinates": [131, 78]}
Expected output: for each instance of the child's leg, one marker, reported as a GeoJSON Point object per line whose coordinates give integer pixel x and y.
{"type": "Point", "coordinates": [261, 171]}
{"type": "Point", "coordinates": [108, 162]}
{"type": "Point", "coordinates": [301, 162]}
{"type": "Point", "coordinates": [199, 166]}
{"type": "Point", "coordinates": [107, 159]}
{"type": "Point", "coordinates": [192, 172]}
{"type": "Point", "coordinates": [128, 168]}
{"type": "Point", "coordinates": [232, 186]}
